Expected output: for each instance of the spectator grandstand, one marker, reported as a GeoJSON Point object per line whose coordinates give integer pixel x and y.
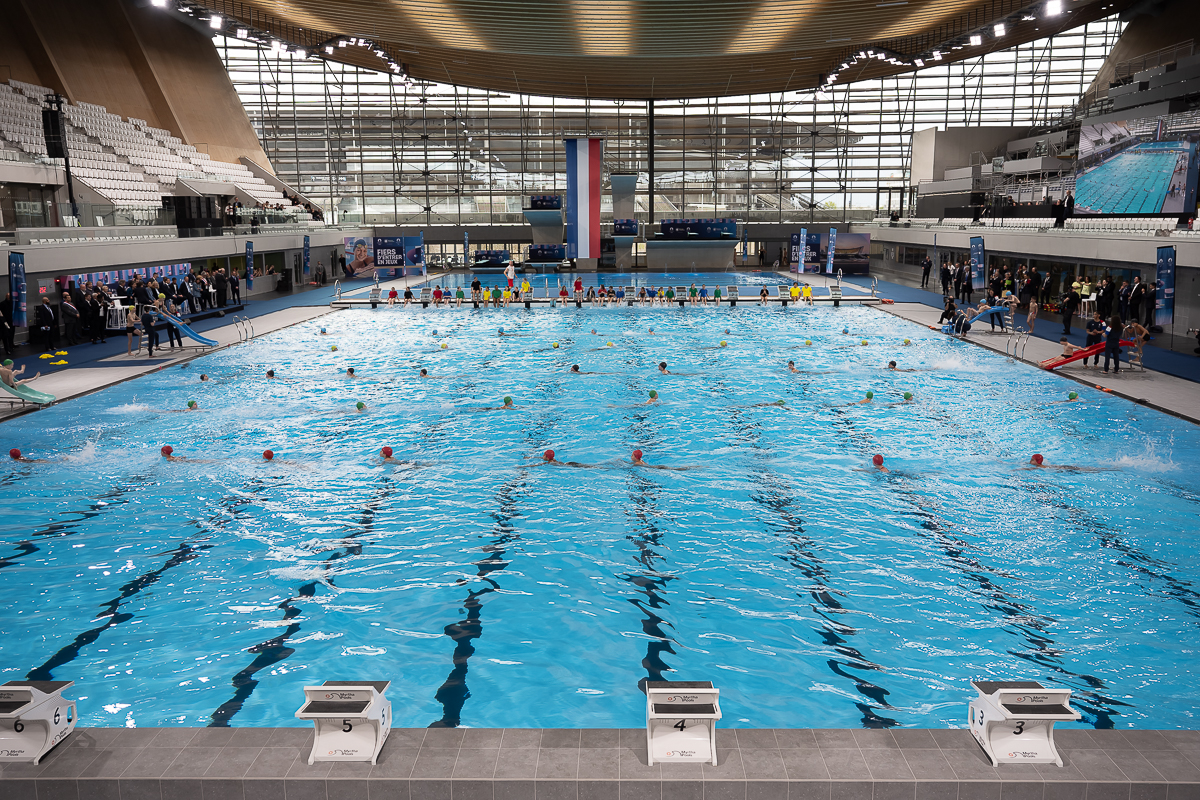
{"type": "Point", "coordinates": [126, 162]}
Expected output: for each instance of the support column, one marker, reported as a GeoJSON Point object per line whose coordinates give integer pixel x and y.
{"type": "Point", "coordinates": [650, 154]}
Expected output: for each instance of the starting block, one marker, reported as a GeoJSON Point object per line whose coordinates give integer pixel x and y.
{"type": "Point", "coordinates": [681, 721]}
{"type": "Point", "coordinates": [1013, 721]}
{"type": "Point", "coordinates": [352, 719]}
{"type": "Point", "coordinates": [34, 717]}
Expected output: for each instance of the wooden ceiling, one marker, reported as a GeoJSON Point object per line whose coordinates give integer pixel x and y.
{"type": "Point", "coordinates": [640, 49]}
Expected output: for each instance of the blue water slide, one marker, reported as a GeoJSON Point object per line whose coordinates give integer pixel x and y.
{"type": "Point", "coordinates": [185, 330]}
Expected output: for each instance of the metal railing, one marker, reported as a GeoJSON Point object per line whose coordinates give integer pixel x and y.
{"type": "Point", "coordinates": [1156, 58]}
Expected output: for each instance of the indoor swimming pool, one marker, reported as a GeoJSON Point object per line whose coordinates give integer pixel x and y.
{"type": "Point", "coordinates": [494, 590]}
{"type": "Point", "coordinates": [542, 281]}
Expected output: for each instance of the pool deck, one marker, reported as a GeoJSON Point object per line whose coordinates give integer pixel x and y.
{"type": "Point", "coordinates": [602, 764]}
{"type": "Point", "coordinates": [1157, 390]}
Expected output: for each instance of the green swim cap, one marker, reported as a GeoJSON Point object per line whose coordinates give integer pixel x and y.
{"type": "Point", "coordinates": [1072, 395]}
{"type": "Point", "coordinates": [8, 362]}
{"type": "Point", "coordinates": [507, 400]}
{"type": "Point", "coordinates": [781, 402]}
{"type": "Point", "coordinates": [870, 395]}
{"type": "Point", "coordinates": [360, 405]}
{"type": "Point", "coordinates": [653, 394]}
{"type": "Point", "coordinates": [191, 403]}
{"type": "Point", "coordinates": [908, 395]}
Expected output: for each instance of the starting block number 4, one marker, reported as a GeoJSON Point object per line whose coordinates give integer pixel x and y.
{"type": "Point", "coordinates": [352, 720]}
{"type": "Point", "coordinates": [1013, 721]}
{"type": "Point", "coordinates": [34, 717]}
{"type": "Point", "coordinates": [681, 718]}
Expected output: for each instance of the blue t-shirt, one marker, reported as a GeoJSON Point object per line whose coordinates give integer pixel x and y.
{"type": "Point", "coordinates": [1095, 326]}
{"type": "Point", "coordinates": [704, 292]}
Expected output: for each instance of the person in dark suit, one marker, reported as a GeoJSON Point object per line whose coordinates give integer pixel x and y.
{"type": "Point", "coordinates": [222, 286]}
{"type": "Point", "coordinates": [183, 297]}
{"type": "Point", "coordinates": [926, 266]}
{"type": "Point", "coordinates": [946, 278]}
{"type": "Point", "coordinates": [968, 286]}
{"type": "Point", "coordinates": [1070, 303]}
{"type": "Point", "coordinates": [1137, 299]}
{"type": "Point", "coordinates": [1150, 302]}
{"type": "Point", "coordinates": [46, 323]}
{"type": "Point", "coordinates": [235, 288]}
{"type": "Point", "coordinates": [7, 330]}
{"type": "Point", "coordinates": [1105, 298]}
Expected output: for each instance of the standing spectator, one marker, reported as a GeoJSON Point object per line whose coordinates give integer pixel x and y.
{"type": "Point", "coordinates": [222, 285]}
{"type": "Point", "coordinates": [968, 286]}
{"type": "Point", "coordinates": [148, 331]}
{"type": "Point", "coordinates": [235, 287]}
{"type": "Point", "coordinates": [1123, 295]}
{"type": "Point", "coordinates": [926, 266]}
{"type": "Point", "coordinates": [342, 264]}
{"type": "Point", "coordinates": [1104, 298]}
{"type": "Point", "coordinates": [1070, 302]}
{"type": "Point", "coordinates": [1095, 335]}
{"type": "Point", "coordinates": [1137, 299]}
{"type": "Point", "coordinates": [946, 277]}
{"type": "Point", "coordinates": [8, 331]}
{"type": "Point", "coordinates": [70, 314]}
{"type": "Point", "coordinates": [1070, 204]}
{"type": "Point", "coordinates": [97, 313]}
{"type": "Point", "coordinates": [956, 277]}
{"type": "Point", "coordinates": [46, 324]}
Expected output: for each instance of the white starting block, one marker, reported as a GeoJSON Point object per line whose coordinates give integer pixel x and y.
{"type": "Point", "coordinates": [681, 721]}
{"type": "Point", "coordinates": [352, 719]}
{"type": "Point", "coordinates": [1013, 721]}
{"type": "Point", "coordinates": [34, 717]}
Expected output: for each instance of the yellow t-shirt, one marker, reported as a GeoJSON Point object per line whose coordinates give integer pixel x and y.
{"type": "Point", "coordinates": [808, 291]}
{"type": "Point", "coordinates": [795, 292]}
{"type": "Point", "coordinates": [508, 294]}
{"type": "Point", "coordinates": [524, 287]}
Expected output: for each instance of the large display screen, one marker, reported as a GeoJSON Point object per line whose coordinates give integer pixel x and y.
{"type": "Point", "coordinates": [851, 253]}
{"type": "Point", "coordinates": [1138, 167]}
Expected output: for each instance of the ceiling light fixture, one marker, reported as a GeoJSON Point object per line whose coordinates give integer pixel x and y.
{"type": "Point", "coordinates": [159, 3]}
{"type": "Point", "coordinates": [1000, 30]}
{"type": "Point", "coordinates": [976, 40]}
{"type": "Point", "coordinates": [937, 55]}
{"type": "Point", "coordinates": [214, 22]}
{"type": "Point", "coordinates": [301, 53]}
{"type": "Point", "coordinates": [329, 49]}
{"type": "Point", "coordinates": [918, 62]}
{"type": "Point", "coordinates": [242, 33]}
{"type": "Point", "coordinates": [1054, 8]}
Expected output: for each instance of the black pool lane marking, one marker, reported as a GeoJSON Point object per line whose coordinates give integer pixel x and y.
{"type": "Point", "coordinates": [276, 649]}
{"type": "Point", "coordinates": [454, 692]}
{"type": "Point", "coordinates": [1020, 618]}
{"type": "Point", "coordinates": [185, 552]}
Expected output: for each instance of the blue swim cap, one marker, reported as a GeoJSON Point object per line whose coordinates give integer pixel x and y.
{"type": "Point", "coordinates": [502, 330]}
{"type": "Point", "coordinates": [844, 330]}
{"type": "Point", "coordinates": [435, 332]}
{"type": "Point", "coordinates": [322, 330]}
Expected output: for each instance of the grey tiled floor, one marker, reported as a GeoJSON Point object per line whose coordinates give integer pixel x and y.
{"type": "Point", "coordinates": [606, 764]}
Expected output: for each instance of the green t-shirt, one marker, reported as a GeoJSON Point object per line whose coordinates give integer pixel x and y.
{"type": "Point", "coordinates": [670, 294]}
{"type": "Point", "coordinates": [692, 291]}
{"type": "Point", "coordinates": [459, 294]}
{"type": "Point", "coordinates": [496, 293]}
{"type": "Point", "coordinates": [716, 291]}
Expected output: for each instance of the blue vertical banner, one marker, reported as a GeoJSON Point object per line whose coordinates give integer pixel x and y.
{"type": "Point", "coordinates": [249, 265]}
{"type": "Point", "coordinates": [389, 254]}
{"type": "Point", "coordinates": [937, 265]}
{"type": "Point", "coordinates": [414, 251]}
{"type": "Point", "coordinates": [1164, 288]}
{"type": "Point", "coordinates": [978, 276]}
{"type": "Point", "coordinates": [16, 285]}
{"type": "Point", "coordinates": [466, 250]}
{"type": "Point", "coordinates": [796, 255]}
{"type": "Point", "coordinates": [745, 242]}
{"type": "Point", "coordinates": [829, 251]}
{"type": "Point", "coordinates": [307, 253]}
{"type": "Point", "coordinates": [803, 258]}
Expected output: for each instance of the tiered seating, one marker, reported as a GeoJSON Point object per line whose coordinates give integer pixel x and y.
{"type": "Point", "coordinates": [128, 162]}
{"type": "Point", "coordinates": [1146, 227]}
{"type": "Point", "coordinates": [21, 119]}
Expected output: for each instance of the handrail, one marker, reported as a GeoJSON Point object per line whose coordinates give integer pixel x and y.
{"type": "Point", "coordinates": [337, 288]}
{"type": "Point", "coordinates": [874, 286]}
{"type": "Point", "coordinates": [839, 276]}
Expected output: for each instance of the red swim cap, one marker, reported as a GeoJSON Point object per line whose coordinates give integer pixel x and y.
{"type": "Point", "coordinates": [268, 455]}
{"type": "Point", "coordinates": [548, 455]}
{"type": "Point", "coordinates": [167, 450]}
{"type": "Point", "coordinates": [637, 455]}
{"type": "Point", "coordinates": [386, 452]}
{"type": "Point", "coordinates": [1037, 459]}
{"type": "Point", "coordinates": [15, 453]}
{"type": "Point", "coordinates": [877, 460]}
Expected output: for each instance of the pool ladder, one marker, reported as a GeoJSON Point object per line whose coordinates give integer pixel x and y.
{"type": "Point", "coordinates": [874, 287]}
{"type": "Point", "coordinates": [337, 290]}
{"type": "Point", "coordinates": [1015, 346]}
{"type": "Point", "coordinates": [245, 329]}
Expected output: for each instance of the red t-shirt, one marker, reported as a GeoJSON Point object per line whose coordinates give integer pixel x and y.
{"type": "Point", "coordinates": [579, 284]}
{"type": "Point", "coordinates": [562, 292]}
{"type": "Point", "coordinates": [437, 294]}
{"type": "Point", "coordinates": [392, 294]}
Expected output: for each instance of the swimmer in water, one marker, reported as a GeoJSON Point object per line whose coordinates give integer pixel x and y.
{"type": "Point", "coordinates": [870, 396]}
{"type": "Point", "coordinates": [792, 366]}
{"type": "Point", "coordinates": [350, 372]}
{"type": "Point", "coordinates": [15, 455]}
{"type": "Point", "coordinates": [203, 378]}
{"type": "Point", "coordinates": [892, 365]}
{"type": "Point", "coordinates": [877, 462]}
{"type": "Point", "coordinates": [775, 404]}
{"type": "Point", "coordinates": [167, 452]}
{"type": "Point", "coordinates": [548, 459]}
{"type": "Point", "coordinates": [360, 407]}
{"type": "Point", "coordinates": [1037, 461]}
{"type": "Point", "coordinates": [636, 460]}
{"type": "Point", "coordinates": [424, 373]}
{"type": "Point", "coordinates": [508, 406]}
{"type": "Point", "coordinates": [653, 398]}
{"type": "Point", "coordinates": [324, 332]}
{"type": "Point", "coordinates": [270, 373]}
{"type": "Point", "coordinates": [662, 367]}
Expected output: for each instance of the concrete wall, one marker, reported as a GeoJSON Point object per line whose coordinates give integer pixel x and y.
{"type": "Point", "coordinates": [935, 151]}
{"type": "Point", "coordinates": [133, 59]}
{"type": "Point", "coordinates": [1158, 26]}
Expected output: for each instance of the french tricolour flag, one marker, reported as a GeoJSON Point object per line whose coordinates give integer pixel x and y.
{"type": "Point", "coordinates": [583, 197]}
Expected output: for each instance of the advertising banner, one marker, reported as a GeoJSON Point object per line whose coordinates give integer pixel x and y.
{"type": "Point", "coordinates": [812, 248]}
{"type": "Point", "coordinates": [1164, 296]}
{"type": "Point", "coordinates": [307, 254]}
{"type": "Point", "coordinates": [745, 244]}
{"type": "Point", "coordinates": [466, 249]}
{"type": "Point", "coordinates": [249, 265]}
{"type": "Point", "coordinates": [16, 285]}
{"type": "Point", "coordinates": [389, 254]}
{"type": "Point", "coordinates": [978, 271]}
{"type": "Point", "coordinates": [830, 250]}
{"type": "Point", "coordinates": [796, 258]}
{"type": "Point", "coordinates": [360, 255]}
{"type": "Point", "coordinates": [414, 251]}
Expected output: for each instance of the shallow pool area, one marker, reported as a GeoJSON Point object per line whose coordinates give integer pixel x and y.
{"type": "Point", "coordinates": [495, 590]}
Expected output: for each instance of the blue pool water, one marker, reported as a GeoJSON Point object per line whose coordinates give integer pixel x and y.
{"type": "Point", "coordinates": [814, 591]}
{"type": "Point", "coordinates": [674, 279]}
